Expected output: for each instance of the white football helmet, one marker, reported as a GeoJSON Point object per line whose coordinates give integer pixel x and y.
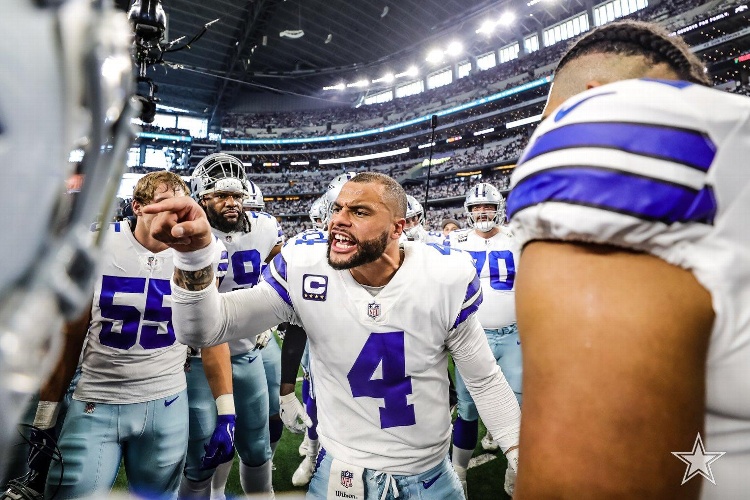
{"type": "Point", "coordinates": [413, 209]}
{"type": "Point", "coordinates": [317, 213]}
{"type": "Point", "coordinates": [67, 80]}
{"type": "Point", "coordinates": [333, 190]}
{"type": "Point", "coordinates": [218, 172]}
{"type": "Point", "coordinates": [254, 200]}
{"type": "Point", "coordinates": [484, 194]}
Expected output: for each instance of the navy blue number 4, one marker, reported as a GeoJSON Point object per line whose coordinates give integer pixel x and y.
{"type": "Point", "coordinates": [393, 388]}
{"type": "Point", "coordinates": [130, 316]}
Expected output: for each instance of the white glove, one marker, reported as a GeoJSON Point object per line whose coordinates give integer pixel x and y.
{"type": "Point", "coordinates": [293, 414]}
{"type": "Point", "coordinates": [261, 340]}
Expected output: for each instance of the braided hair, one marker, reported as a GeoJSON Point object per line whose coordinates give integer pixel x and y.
{"type": "Point", "coordinates": [637, 38]}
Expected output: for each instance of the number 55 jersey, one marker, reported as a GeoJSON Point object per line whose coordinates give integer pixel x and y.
{"type": "Point", "coordinates": [131, 354]}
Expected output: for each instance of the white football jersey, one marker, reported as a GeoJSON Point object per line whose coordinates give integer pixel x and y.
{"type": "Point", "coordinates": [659, 167]}
{"type": "Point", "coordinates": [378, 370]}
{"type": "Point", "coordinates": [131, 354]}
{"type": "Point", "coordinates": [495, 260]}
{"type": "Point", "coordinates": [247, 253]}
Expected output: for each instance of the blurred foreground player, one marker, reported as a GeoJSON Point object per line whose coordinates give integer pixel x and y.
{"type": "Point", "coordinates": [68, 63]}
{"type": "Point", "coordinates": [633, 200]}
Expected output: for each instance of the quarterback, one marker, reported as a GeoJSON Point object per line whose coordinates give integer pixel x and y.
{"type": "Point", "coordinates": [381, 319]}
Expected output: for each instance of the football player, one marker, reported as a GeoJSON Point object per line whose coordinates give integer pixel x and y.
{"type": "Point", "coordinates": [130, 403]}
{"type": "Point", "coordinates": [381, 319]}
{"type": "Point", "coordinates": [414, 229]}
{"type": "Point", "coordinates": [632, 200]}
{"type": "Point", "coordinates": [53, 54]}
{"type": "Point", "coordinates": [251, 238]}
{"type": "Point", "coordinates": [495, 254]}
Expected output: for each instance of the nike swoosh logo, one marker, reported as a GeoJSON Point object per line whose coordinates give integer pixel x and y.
{"type": "Point", "coordinates": [167, 403]}
{"type": "Point", "coordinates": [429, 483]}
{"type": "Point", "coordinates": [564, 111]}
{"type": "Point", "coordinates": [252, 359]}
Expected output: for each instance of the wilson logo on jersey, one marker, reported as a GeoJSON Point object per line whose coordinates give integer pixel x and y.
{"type": "Point", "coordinates": [314, 287]}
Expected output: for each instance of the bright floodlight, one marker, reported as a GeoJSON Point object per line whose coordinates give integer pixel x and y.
{"type": "Point", "coordinates": [487, 27]}
{"type": "Point", "coordinates": [412, 71]}
{"type": "Point", "coordinates": [435, 56]}
{"type": "Point", "coordinates": [507, 18]}
{"type": "Point", "coordinates": [454, 48]}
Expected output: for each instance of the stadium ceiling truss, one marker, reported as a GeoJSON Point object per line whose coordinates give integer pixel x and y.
{"type": "Point", "coordinates": [300, 46]}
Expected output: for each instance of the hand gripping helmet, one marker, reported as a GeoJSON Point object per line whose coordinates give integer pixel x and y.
{"type": "Point", "coordinates": [413, 209]}
{"type": "Point", "coordinates": [218, 172]}
{"type": "Point", "coordinates": [334, 188]}
{"type": "Point", "coordinates": [254, 200]}
{"type": "Point", "coordinates": [66, 82]}
{"type": "Point", "coordinates": [316, 212]}
{"type": "Point", "coordinates": [484, 194]}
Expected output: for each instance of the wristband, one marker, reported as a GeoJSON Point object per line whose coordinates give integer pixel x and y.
{"type": "Point", "coordinates": [195, 260]}
{"type": "Point", "coordinates": [225, 404]}
{"type": "Point", "coordinates": [46, 414]}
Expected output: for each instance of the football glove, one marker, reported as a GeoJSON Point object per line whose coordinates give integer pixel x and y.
{"type": "Point", "coordinates": [262, 339]}
{"type": "Point", "coordinates": [293, 414]}
{"type": "Point", "coordinates": [220, 448]}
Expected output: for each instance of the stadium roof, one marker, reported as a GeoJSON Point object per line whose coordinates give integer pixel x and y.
{"type": "Point", "coordinates": [245, 49]}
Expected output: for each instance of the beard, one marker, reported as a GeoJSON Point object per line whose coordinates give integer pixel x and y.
{"type": "Point", "coordinates": [219, 222]}
{"type": "Point", "coordinates": [368, 251]}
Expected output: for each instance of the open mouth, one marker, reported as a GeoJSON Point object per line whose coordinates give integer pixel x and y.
{"type": "Point", "coordinates": [342, 243]}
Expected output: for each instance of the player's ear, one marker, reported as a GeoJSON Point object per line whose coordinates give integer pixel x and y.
{"type": "Point", "coordinates": [398, 228]}
{"type": "Point", "coordinates": [137, 208]}
{"type": "Point", "coordinates": [592, 84]}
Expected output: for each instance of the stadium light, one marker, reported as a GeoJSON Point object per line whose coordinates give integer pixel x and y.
{"type": "Point", "coordinates": [507, 19]}
{"type": "Point", "coordinates": [435, 56]}
{"type": "Point", "coordinates": [487, 27]}
{"type": "Point", "coordinates": [387, 78]}
{"type": "Point", "coordinates": [360, 83]}
{"type": "Point", "coordinates": [339, 86]}
{"type": "Point", "coordinates": [454, 48]}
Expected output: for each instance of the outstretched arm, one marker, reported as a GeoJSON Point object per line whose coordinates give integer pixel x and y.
{"type": "Point", "coordinates": [614, 353]}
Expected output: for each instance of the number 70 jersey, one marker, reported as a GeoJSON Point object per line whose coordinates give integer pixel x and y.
{"type": "Point", "coordinates": [495, 260]}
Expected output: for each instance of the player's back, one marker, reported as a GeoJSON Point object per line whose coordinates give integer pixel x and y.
{"type": "Point", "coordinates": [665, 175]}
{"type": "Point", "coordinates": [131, 354]}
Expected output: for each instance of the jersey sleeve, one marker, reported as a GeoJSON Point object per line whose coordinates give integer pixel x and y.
{"type": "Point", "coordinates": [611, 167]}
{"type": "Point", "coordinates": [221, 260]}
{"type": "Point", "coordinates": [275, 274]}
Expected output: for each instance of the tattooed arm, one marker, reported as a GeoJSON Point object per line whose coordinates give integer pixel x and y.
{"type": "Point", "coordinates": [194, 280]}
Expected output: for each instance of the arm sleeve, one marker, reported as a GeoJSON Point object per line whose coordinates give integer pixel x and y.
{"type": "Point", "coordinates": [207, 317]}
{"type": "Point", "coordinates": [292, 350]}
{"type": "Point", "coordinates": [496, 403]}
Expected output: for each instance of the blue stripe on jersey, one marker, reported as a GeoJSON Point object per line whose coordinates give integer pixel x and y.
{"type": "Point", "coordinates": [117, 227]}
{"type": "Point", "coordinates": [678, 84]}
{"type": "Point", "coordinates": [471, 292]}
{"type": "Point", "coordinates": [642, 197]}
{"type": "Point", "coordinates": [688, 147]}
{"type": "Point", "coordinates": [469, 310]}
{"type": "Point", "coordinates": [279, 265]}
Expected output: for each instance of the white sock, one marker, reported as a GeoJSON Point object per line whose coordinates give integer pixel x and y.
{"type": "Point", "coordinates": [256, 479]}
{"type": "Point", "coordinates": [194, 489]}
{"type": "Point", "coordinates": [219, 481]}
{"type": "Point", "coordinates": [461, 457]}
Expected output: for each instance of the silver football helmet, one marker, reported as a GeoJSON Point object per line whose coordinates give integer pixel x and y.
{"type": "Point", "coordinates": [413, 209]}
{"type": "Point", "coordinates": [317, 213]}
{"type": "Point", "coordinates": [66, 83]}
{"type": "Point", "coordinates": [218, 172]}
{"type": "Point", "coordinates": [484, 194]}
{"type": "Point", "coordinates": [254, 200]}
{"type": "Point", "coordinates": [333, 190]}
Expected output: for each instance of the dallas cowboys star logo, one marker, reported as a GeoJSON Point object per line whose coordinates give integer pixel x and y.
{"type": "Point", "coordinates": [698, 461]}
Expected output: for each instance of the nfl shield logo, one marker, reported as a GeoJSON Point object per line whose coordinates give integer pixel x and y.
{"type": "Point", "coordinates": [346, 478]}
{"type": "Point", "coordinates": [373, 310]}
